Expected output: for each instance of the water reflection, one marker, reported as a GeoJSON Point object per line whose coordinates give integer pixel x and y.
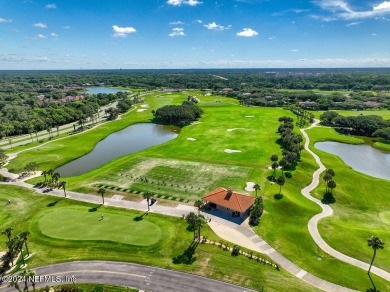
{"type": "Point", "coordinates": [129, 140]}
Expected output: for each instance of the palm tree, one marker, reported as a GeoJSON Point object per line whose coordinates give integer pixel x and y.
{"type": "Point", "coordinates": [280, 181]}
{"type": "Point", "coordinates": [274, 158]}
{"type": "Point", "coordinates": [274, 166]}
{"type": "Point", "coordinates": [199, 222]}
{"type": "Point", "coordinates": [331, 185]}
{"type": "Point", "coordinates": [55, 177]}
{"type": "Point", "coordinates": [8, 232]}
{"type": "Point", "coordinates": [256, 187]}
{"type": "Point", "coordinates": [14, 283]}
{"type": "Point", "coordinates": [283, 163]}
{"type": "Point", "coordinates": [50, 172]}
{"type": "Point", "coordinates": [24, 235]}
{"type": "Point", "coordinates": [101, 191]}
{"type": "Point", "coordinates": [148, 196]}
{"type": "Point", "coordinates": [198, 204]}
{"type": "Point", "coordinates": [331, 172]}
{"type": "Point", "coordinates": [31, 275]}
{"type": "Point", "coordinates": [376, 243]}
{"type": "Point", "coordinates": [327, 178]}
{"type": "Point", "coordinates": [62, 184]}
{"type": "Point", "coordinates": [24, 275]}
{"type": "Point", "coordinates": [44, 173]}
{"type": "Point", "coordinates": [13, 248]}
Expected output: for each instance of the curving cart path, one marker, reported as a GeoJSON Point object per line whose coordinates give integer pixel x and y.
{"type": "Point", "coordinates": [328, 211]}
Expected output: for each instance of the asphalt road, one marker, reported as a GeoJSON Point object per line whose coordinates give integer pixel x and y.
{"type": "Point", "coordinates": [142, 277]}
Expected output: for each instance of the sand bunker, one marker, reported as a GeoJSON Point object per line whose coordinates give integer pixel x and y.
{"type": "Point", "coordinates": [249, 116]}
{"type": "Point", "coordinates": [270, 167]}
{"type": "Point", "coordinates": [250, 186]}
{"type": "Point", "coordinates": [144, 105]}
{"type": "Point", "coordinates": [233, 129]}
{"type": "Point", "coordinates": [231, 151]}
{"type": "Point", "coordinates": [141, 110]}
{"type": "Point", "coordinates": [191, 139]}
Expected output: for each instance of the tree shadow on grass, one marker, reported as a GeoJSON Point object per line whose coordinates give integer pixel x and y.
{"type": "Point", "coordinates": [52, 204]}
{"type": "Point", "coordinates": [278, 196]}
{"type": "Point", "coordinates": [139, 218]}
{"type": "Point", "coordinates": [94, 209]}
{"type": "Point", "coordinates": [328, 199]}
{"type": "Point", "coordinates": [187, 256]}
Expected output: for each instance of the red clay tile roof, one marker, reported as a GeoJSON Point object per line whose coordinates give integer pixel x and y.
{"type": "Point", "coordinates": [236, 201]}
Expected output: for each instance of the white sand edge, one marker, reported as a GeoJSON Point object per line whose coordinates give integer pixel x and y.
{"type": "Point", "coordinates": [231, 151]}
{"type": "Point", "coordinates": [250, 186]}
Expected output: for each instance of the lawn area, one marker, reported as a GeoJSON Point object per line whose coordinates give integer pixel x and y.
{"type": "Point", "coordinates": [361, 207]}
{"type": "Point", "coordinates": [209, 260]}
{"type": "Point", "coordinates": [188, 169]}
{"type": "Point", "coordinates": [86, 225]}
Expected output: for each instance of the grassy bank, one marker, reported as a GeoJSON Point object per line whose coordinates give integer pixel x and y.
{"type": "Point", "coordinates": [208, 260]}
{"type": "Point", "coordinates": [361, 208]}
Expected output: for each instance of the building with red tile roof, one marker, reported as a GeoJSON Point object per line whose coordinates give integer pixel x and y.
{"type": "Point", "coordinates": [228, 200]}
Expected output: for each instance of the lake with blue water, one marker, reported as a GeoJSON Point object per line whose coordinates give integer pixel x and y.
{"type": "Point", "coordinates": [130, 140]}
{"type": "Point", "coordinates": [362, 158]}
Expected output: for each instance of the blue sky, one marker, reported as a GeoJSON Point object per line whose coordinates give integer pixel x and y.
{"type": "Point", "coordinates": [132, 34]}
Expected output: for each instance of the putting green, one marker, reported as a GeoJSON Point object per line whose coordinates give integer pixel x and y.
{"type": "Point", "coordinates": [72, 224]}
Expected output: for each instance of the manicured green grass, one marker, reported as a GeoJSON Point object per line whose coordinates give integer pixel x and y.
{"type": "Point", "coordinates": [382, 145]}
{"type": "Point", "coordinates": [320, 134]}
{"type": "Point", "coordinates": [71, 224]}
{"type": "Point", "coordinates": [27, 208]}
{"type": "Point", "coordinates": [284, 224]}
{"type": "Point", "coordinates": [361, 207]}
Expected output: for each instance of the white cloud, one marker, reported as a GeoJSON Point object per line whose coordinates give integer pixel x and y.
{"type": "Point", "coordinates": [40, 36]}
{"type": "Point", "coordinates": [294, 50]}
{"type": "Point", "coordinates": [66, 27]}
{"type": "Point", "coordinates": [177, 31]}
{"type": "Point", "coordinates": [3, 20]}
{"type": "Point", "coordinates": [39, 25]}
{"type": "Point", "coordinates": [353, 23]}
{"type": "Point", "coordinates": [183, 2]}
{"type": "Point", "coordinates": [176, 22]}
{"type": "Point", "coordinates": [198, 21]}
{"type": "Point", "coordinates": [214, 26]}
{"type": "Point", "coordinates": [51, 6]}
{"type": "Point", "coordinates": [341, 9]}
{"type": "Point", "coordinates": [383, 6]}
{"type": "Point", "coordinates": [122, 32]}
{"type": "Point", "coordinates": [247, 32]}
{"type": "Point", "coordinates": [54, 35]}
{"type": "Point", "coordinates": [193, 2]}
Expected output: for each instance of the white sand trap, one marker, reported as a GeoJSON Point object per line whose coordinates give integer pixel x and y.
{"type": "Point", "coordinates": [249, 116]}
{"type": "Point", "coordinates": [191, 139]}
{"type": "Point", "coordinates": [233, 129]}
{"type": "Point", "coordinates": [250, 186]}
{"type": "Point", "coordinates": [270, 167]}
{"type": "Point", "coordinates": [231, 151]}
{"type": "Point", "coordinates": [144, 105]}
{"type": "Point", "coordinates": [141, 110]}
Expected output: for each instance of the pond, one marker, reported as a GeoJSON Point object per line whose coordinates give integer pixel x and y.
{"type": "Point", "coordinates": [362, 158]}
{"type": "Point", "coordinates": [129, 140]}
{"type": "Point", "coordinates": [107, 90]}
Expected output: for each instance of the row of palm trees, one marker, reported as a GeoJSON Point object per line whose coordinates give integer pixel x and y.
{"type": "Point", "coordinates": [52, 179]}
{"type": "Point", "coordinates": [328, 178]}
{"type": "Point", "coordinates": [15, 244]}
